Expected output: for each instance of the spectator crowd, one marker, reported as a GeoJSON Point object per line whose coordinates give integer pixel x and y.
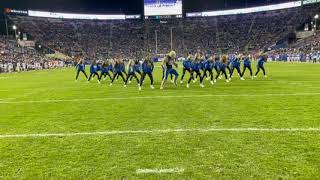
{"type": "Point", "coordinates": [15, 58]}
{"type": "Point", "coordinates": [101, 40]}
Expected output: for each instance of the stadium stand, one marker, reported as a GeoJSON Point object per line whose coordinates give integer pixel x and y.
{"type": "Point", "coordinates": [128, 38]}
{"type": "Point", "coordinates": [14, 57]}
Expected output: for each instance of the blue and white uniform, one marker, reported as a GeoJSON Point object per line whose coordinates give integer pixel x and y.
{"type": "Point", "coordinates": [105, 68]}
{"type": "Point", "coordinates": [208, 68]}
{"type": "Point", "coordinates": [80, 68]}
{"type": "Point", "coordinates": [261, 61]}
{"type": "Point", "coordinates": [247, 65]}
{"type": "Point", "coordinates": [133, 67]}
{"type": "Point", "coordinates": [147, 69]}
{"type": "Point", "coordinates": [94, 71]}
{"type": "Point", "coordinates": [187, 66]}
{"type": "Point", "coordinates": [118, 69]}
{"type": "Point", "coordinates": [170, 70]}
{"type": "Point", "coordinates": [235, 63]}
{"type": "Point", "coordinates": [93, 68]}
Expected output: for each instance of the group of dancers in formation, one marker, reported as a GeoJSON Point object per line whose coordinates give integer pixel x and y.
{"type": "Point", "coordinates": [198, 66]}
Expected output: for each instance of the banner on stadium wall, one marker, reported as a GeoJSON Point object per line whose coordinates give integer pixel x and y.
{"type": "Point", "coordinates": [75, 16]}
{"type": "Point", "coordinates": [247, 10]}
{"type": "Point", "coordinates": [15, 11]}
{"type": "Point", "coordinates": [27, 43]}
{"type": "Point", "coordinates": [304, 34]}
{"type": "Point", "coordinates": [46, 14]}
{"type": "Point", "coordinates": [136, 16]}
{"type": "Point", "coordinates": [310, 1]}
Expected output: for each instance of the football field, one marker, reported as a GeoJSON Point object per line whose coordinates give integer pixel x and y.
{"type": "Point", "coordinates": [52, 127]}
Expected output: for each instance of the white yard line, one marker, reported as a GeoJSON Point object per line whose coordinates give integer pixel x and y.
{"type": "Point", "coordinates": [7, 77]}
{"type": "Point", "coordinates": [7, 99]}
{"type": "Point", "coordinates": [159, 131]}
{"type": "Point", "coordinates": [40, 88]}
{"type": "Point", "coordinates": [159, 171]}
{"type": "Point", "coordinates": [156, 97]}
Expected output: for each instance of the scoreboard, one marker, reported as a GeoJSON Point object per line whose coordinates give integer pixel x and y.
{"type": "Point", "coordinates": [159, 9]}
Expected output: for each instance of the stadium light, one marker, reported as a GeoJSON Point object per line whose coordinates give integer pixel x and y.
{"type": "Point", "coordinates": [316, 17]}
{"type": "Point", "coordinates": [14, 27]}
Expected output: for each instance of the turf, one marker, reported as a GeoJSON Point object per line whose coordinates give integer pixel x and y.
{"type": "Point", "coordinates": [288, 98]}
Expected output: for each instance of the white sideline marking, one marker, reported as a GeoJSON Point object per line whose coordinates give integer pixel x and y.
{"type": "Point", "coordinates": [159, 171]}
{"type": "Point", "coordinates": [156, 97]}
{"type": "Point", "coordinates": [7, 77]}
{"type": "Point", "coordinates": [159, 131]}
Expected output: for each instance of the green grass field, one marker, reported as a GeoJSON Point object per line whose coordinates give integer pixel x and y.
{"type": "Point", "coordinates": [201, 132]}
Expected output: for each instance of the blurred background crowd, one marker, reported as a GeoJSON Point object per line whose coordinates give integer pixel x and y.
{"type": "Point", "coordinates": [101, 40]}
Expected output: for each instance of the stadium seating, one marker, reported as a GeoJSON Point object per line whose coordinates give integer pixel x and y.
{"type": "Point", "coordinates": [127, 38]}
{"type": "Point", "coordinates": [27, 58]}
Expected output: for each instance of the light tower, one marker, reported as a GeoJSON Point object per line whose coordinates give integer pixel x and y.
{"type": "Point", "coordinates": [316, 17]}
{"type": "Point", "coordinates": [14, 27]}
